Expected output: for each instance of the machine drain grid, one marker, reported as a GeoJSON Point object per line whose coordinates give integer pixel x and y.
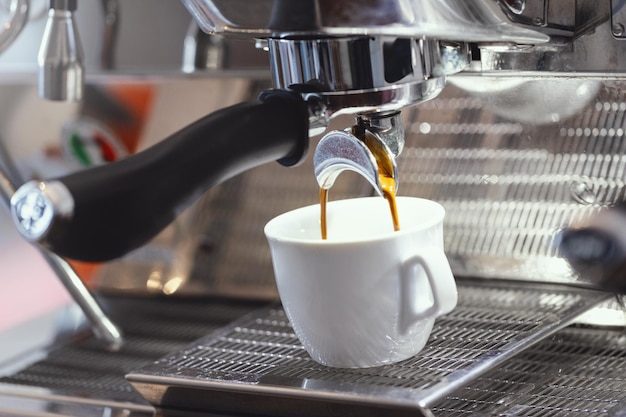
{"type": "Point", "coordinates": [152, 328]}
{"type": "Point", "coordinates": [576, 372]}
{"type": "Point", "coordinates": [259, 357]}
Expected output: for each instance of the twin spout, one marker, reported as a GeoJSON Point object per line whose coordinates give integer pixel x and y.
{"type": "Point", "coordinates": [369, 148]}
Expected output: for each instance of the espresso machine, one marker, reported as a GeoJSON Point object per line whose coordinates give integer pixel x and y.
{"type": "Point", "coordinates": [510, 113]}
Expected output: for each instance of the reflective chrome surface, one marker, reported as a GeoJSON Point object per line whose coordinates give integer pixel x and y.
{"type": "Point", "coordinates": [361, 66]}
{"type": "Point", "coordinates": [355, 63]}
{"type": "Point", "coordinates": [472, 20]}
{"type": "Point", "coordinates": [37, 205]}
{"type": "Point", "coordinates": [339, 151]}
{"type": "Point", "coordinates": [377, 100]}
{"type": "Point", "coordinates": [60, 59]}
{"type": "Point", "coordinates": [368, 148]}
{"type": "Point", "coordinates": [6, 187]}
{"type": "Point", "coordinates": [105, 331]}
{"type": "Point", "coordinates": [117, 39]}
{"type": "Point", "coordinates": [584, 42]}
{"type": "Point", "coordinates": [389, 127]}
{"type": "Point", "coordinates": [202, 51]}
{"type": "Point", "coordinates": [575, 372]}
{"type": "Point", "coordinates": [509, 185]}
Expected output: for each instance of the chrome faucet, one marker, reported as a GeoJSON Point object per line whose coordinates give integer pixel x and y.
{"type": "Point", "coordinates": [60, 58]}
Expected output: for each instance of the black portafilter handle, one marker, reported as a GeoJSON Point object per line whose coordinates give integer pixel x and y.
{"type": "Point", "coordinates": [105, 212]}
{"type": "Point", "coordinates": [596, 251]}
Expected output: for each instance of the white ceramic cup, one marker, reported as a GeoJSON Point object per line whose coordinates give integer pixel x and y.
{"type": "Point", "coordinates": [366, 296]}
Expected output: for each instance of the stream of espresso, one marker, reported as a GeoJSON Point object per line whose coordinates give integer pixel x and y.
{"type": "Point", "coordinates": [388, 186]}
{"type": "Point", "coordinates": [323, 202]}
{"type": "Point", "coordinates": [386, 180]}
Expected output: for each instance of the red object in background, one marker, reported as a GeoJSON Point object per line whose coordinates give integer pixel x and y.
{"type": "Point", "coordinates": [137, 99]}
{"type": "Point", "coordinates": [107, 151]}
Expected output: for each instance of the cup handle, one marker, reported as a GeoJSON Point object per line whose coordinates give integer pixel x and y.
{"type": "Point", "coordinates": [442, 285]}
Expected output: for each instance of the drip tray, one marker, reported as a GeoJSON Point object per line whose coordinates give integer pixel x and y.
{"type": "Point", "coordinates": [256, 365]}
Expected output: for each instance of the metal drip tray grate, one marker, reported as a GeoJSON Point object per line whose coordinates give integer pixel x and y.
{"type": "Point", "coordinates": [577, 372]}
{"type": "Point", "coordinates": [86, 373]}
{"type": "Point", "coordinates": [242, 366]}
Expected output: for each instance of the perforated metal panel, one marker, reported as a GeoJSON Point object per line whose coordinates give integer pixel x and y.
{"type": "Point", "coordinates": [577, 372]}
{"type": "Point", "coordinates": [152, 328]}
{"type": "Point", "coordinates": [510, 185]}
{"type": "Point", "coordinates": [260, 357]}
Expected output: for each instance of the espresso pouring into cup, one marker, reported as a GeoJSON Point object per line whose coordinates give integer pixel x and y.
{"type": "Point", "coordinates": [368, 148]}
{"type": "Point", "coordinates": [368, 295]}
{"type": "Point", "coordinates": [365, 292]}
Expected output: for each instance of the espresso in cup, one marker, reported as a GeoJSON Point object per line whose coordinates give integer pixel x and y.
{"type": "Point", "coordinates": [367, 295]}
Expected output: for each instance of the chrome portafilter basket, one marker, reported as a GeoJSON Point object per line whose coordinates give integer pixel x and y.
{"type": "Point", "coordinates": [370, 77]}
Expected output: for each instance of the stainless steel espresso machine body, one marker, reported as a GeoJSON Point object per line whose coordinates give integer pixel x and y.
{"type": "Point", "coordinates": [371, 60]}
{"type": "Point", "coordinates": [511, 113]}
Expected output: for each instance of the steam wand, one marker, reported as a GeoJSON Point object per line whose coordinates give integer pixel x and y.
{"type": "Point", "coordinates": [103, 328]}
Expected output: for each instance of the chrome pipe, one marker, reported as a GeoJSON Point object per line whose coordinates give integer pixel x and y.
{"type": "Point", "coordinates": [6, 188]}
{"type": "Point", "coordinates": [101, 325]}
{"type": "Point", "coordinates": [202, 51]}
{"type": "Point", "coordinates": [103, 328]}
{"type": "Point", "coordinates": [60, 58]}
{"type": "Point", "coordinates": [111, 10]}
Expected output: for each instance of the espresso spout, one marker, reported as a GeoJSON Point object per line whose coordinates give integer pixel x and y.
{"type": "Point", "coordinates": [105, 212]}
{"type": "Point", "coordinates": [367, 148]}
